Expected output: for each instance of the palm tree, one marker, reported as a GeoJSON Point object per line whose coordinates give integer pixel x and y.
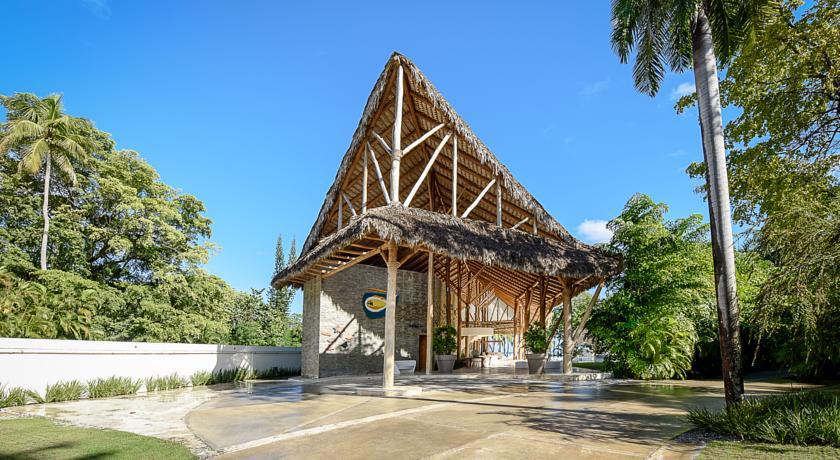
{"type": "Point", "coordinates": [45, 137]}
{"type": "Point", "coordinates": [697, 34]}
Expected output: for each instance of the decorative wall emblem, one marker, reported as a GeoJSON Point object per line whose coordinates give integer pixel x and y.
{"type": "Point", "coordinates": [373, 303]}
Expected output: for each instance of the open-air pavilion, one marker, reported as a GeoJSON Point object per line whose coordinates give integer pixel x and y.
{"type": "Point", "coordinates": [422, 210]}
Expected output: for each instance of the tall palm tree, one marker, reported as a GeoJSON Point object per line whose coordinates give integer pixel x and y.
{"type": "Point", "coordinates": [45, 137]}
{"type": "Point", "coordinates": [697, 34]}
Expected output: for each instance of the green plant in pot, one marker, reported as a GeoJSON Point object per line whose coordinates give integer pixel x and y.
{"type": "Point", "coordinates": [444, 344]}
{"type": "Point", "coordinates": [536, 341]}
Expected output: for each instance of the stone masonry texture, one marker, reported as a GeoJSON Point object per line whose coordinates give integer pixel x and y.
{"type": "Point", "coordinates": [339, 338]}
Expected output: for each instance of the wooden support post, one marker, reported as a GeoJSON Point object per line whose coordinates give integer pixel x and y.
{"type": "Point", "coordinates": [430, 311]}
{"type": "Point", "coordinates": [347, 200]}
{"type": "Point", "coordinates": [390, 318]}
{"type": "Point", "coordinates": [498, 202]}
{"type": "Point", "coordinates": [542, 300]}
{"type": "Point", "coordinates": [455, 175]}
{"type": "Point", "coordinates": [448, 292]}
{"type": "Point", "coordinates": [568, 342]}
{"type": "Point", "coordinates": [478, 199]}
{"type": "Point", "coordinates": [379, 174]}
{"type": "Point", "coordinates": [422, 138]}
{"type": "Point", "coordinates": [425, 171]}
{"type": "Point", "coordinates": [340, 213]}
{"type": "Point", "coordinates": [458, 310]}
{"type": "Point", "coordinates": [396, 153]}
{"type": "Point", "coordinates": [519, 223]}
{"type": "Point", "coordinates": [364, 182]}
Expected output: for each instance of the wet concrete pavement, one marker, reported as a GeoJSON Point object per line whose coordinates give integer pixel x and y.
{"type": "Point", "coordinates": [457, 416]}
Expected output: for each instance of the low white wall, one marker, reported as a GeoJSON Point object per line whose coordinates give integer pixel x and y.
{"type": "Point", "coordinates": [35, 363]}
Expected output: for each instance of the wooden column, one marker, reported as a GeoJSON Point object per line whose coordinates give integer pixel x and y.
{"type": "Point", "coordinates": [455, 175]}
{"type": "Point", "coordinates": [448, 292]}
{"type": "Point", "coordinates": [364, 182]}
{"type": "Point", "coordinates": [542, 300]}
{"type": "Point", "coordinates": [390, 318]}
{"type": "Point", "coordinates": [396, 152]}
{"type": "Point", "coordinates": [458, 310]}
{"type": "Point", "coordinates": [568, 343]}
{"type": "Point", "coordinates": [430, 311]}
{"type": "Point", "coordinates": [498, 201]}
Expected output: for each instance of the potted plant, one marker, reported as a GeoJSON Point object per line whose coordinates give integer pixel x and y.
{"type": "Point", "coordinates": [444, 345]}
{"type": "Point", "coordinates": [536, 341]}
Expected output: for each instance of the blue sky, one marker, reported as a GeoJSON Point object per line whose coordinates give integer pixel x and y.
{"type": "Point", "coordinates": [250, 105]}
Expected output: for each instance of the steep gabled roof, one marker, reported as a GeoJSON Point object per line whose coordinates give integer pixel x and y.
{"type": "Point", "coordinates": [424, 109]}
{"type": "Point", "coordinates": [471, 211]}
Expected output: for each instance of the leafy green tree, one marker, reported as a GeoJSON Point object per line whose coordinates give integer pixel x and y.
{"type": "Point", "coordinates": [646, 325]}
{"type": "Point", "coordinates": [43, 136]}
{"type": "Point", "coordinates": [696, 34]}
{"type": "Point", "coordinates": [784, 158]}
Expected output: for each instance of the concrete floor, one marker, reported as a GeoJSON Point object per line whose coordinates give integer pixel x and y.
{"type": "Point", "coordinates": [460, 416]}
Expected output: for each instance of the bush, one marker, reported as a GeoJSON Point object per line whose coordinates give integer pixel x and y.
{"type": "Point", "coordinates": [444, 342]}
{"type": "Point", "coordinates": [801, 418]}
{"type": "Point", "coordinates": [113, 386]}
{"type": "Point", "coordinates": [201, 378]}
{"type": "Point", "coordinates": [276, 373]}
{"type": "Point", "coordinates": [17, 396]}
{"type": "Point", "coordinates": [64, 391]}
{"type": "Point", "coordinates": [168, 382]}
{"type": "Point", "coordinates": [536, 339]}
{"type": "Point", "coordinates": [232, 375]}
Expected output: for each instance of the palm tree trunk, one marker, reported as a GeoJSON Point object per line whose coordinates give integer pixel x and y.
{"type": "Point", "coordinates": [45, 210]}
{"type": "Point", "coordinates": [723, 250]}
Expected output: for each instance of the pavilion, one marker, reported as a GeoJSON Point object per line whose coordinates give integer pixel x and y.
{"type": "Point", "coordinates": [424, 218]}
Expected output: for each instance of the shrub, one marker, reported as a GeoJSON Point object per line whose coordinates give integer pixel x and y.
{"type": "Point", "coordinates": [17, 396]}
{"type": "Point", "coordinates": [802, 418]}
{"type": "Point", "coordinates": [536, 339]}
{"type": "Point", "coordinates": [232, 375]}
{"type": "Point", "coordinates": [276, 373]}
{"type": "Point", "coordinates": [201, 378]}
{"type": "Point", "coordinates": [444, 342]}
{"type": "Point", "coordinates": [113, 386]}
{"type": "Point", "coordinates": [167, 382]}
{"type": "Point", "coordinates": [64, 391]}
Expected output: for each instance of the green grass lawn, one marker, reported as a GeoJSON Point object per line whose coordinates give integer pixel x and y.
{"type": "Point", "coordinates": [41, 438]}
{"type": "Point", "coordinates": [725, 450]}
{"type": "Point", "coordinates": [593, 366]}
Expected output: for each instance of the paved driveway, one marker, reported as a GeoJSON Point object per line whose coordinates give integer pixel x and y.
{"type": "Point", "coordinates": [454, 417]}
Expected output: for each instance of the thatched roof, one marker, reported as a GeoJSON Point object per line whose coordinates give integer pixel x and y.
{"type": "Point", "coordinates": [510, 261]}
{"type": "Point", "coordinates": [427, 108]}
{"type": "Point", "coordinates": [461, 239]}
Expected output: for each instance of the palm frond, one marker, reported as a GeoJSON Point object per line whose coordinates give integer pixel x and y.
{"type": "Point", "coordinates": [649, 68]}
{"type": "Point", "coordinates": [33, 156]}
{"type": "Point", "coordinates": [683, 13]}
{"type": "Point", "coordinates": [18, 132]}
{"type": "Point", "coordinates": [625, 20]}
{"type": "Point", "coordinates": [64, 165]}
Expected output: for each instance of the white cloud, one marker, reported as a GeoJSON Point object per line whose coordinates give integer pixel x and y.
{"type": "Point", "coordinates": [593, 88]}
{"type": "Point", "coordinates": [683, 89]}
{"type": "Point", "coordinates": [594, 231]}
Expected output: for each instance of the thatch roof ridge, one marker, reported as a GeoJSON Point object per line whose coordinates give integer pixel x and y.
{"type": "Point", "coordinates": [516, 190]}
{"type": "Point", "coordinates": [464, 239]}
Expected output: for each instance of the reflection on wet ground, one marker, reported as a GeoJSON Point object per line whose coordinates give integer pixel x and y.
{"type": "Point", "coordinates": [454, 416]}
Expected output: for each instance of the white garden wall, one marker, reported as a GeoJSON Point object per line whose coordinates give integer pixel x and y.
{"type": "Point", "coordinates": [35, 363]}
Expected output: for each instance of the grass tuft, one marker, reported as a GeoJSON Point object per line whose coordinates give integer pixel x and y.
{"type": "Point", "coordinates": [113, 386]}
{"type": "Point", "coordinates": [167, 382]}
{"type": "Point", "coordinates": [17, 396]}
{"type": "Point", "coordinates": [277, 373]}
{"type": "Point", "coordinates": [800, 418]}
{"type": "Point", "coordinates": [201, 378]}
{"type": "Point", "coordinates": [64, 391]}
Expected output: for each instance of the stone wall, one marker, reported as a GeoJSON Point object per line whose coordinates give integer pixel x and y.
{"type": "Point", "coordinates": [348, 342]}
